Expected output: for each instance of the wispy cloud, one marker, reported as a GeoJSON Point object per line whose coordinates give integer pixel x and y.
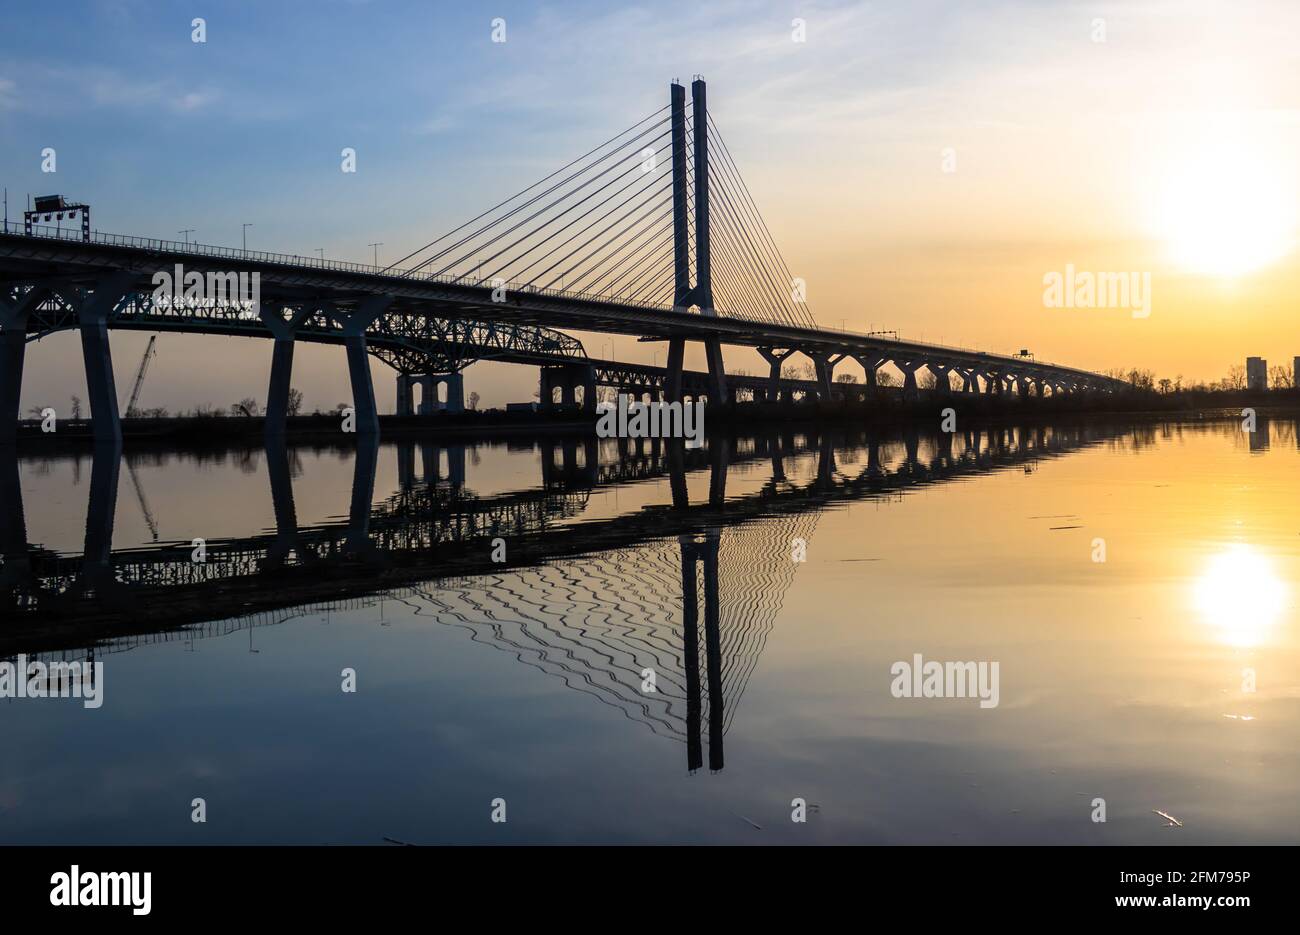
{"type": "Point", "coordinates": [62, 89]}
{"type": "Point", "coordinates": [194, 100]}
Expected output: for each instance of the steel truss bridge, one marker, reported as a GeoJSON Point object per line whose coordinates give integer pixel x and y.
{"type": "Point", "coordinates": [652, 234]}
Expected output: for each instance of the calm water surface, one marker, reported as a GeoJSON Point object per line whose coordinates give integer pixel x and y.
{"type": "Point", "coordinates": [1120, 679]}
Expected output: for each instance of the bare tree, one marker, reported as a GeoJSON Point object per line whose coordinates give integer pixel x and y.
{"type": "Point", "coordinates": [845, 378]}
{"type": "Point", "coordinates": [293, 405]}
{"type": "Point", "coordinates": [1236, 378]}
{"type": "Point", "coordinates": [1141, 379]}
{"type": "Point", "coordinates": [76, 407]}
{"type": "Point", "coordinates": [473, 400]}
{"type": "Point", "coordinates": [245, 407]}
{"type": "Point", "coordinates": [1279, 378]}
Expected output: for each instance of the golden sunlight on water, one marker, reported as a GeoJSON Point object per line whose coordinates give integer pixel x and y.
{"type": "Point", "coordinates": [1240, 596]}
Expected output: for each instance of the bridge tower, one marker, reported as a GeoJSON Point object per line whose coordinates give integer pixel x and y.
{"type": "Point", "coordinates": [702, 549]}
{"type": "Point", "coordinates": [684, 294]}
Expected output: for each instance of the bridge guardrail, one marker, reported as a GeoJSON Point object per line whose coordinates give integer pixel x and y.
{"type": "Point", "coordinates": [290, 259]}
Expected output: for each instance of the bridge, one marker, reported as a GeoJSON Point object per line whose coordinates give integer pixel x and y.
{"type": "Point", "coordinates": [652, 234]}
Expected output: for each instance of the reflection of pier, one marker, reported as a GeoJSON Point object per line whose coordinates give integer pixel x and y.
{"type": "Point", "coordinates": [688, 590]}
{"type": "Point", "coordinates": [422, 530]}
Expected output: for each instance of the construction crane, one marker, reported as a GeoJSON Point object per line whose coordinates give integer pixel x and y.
{"type": "Point", "coordinates": [139, 376]}
{"type": "Point", "coordinates": [130, 411]}
{"type": "Point", "coordinates": [144, 504]}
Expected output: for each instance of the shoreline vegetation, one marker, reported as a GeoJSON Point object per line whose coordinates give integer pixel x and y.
{"type": "Point", "coordinates": [214, 427]}
{"type": "Point", "coordinates": [882, 405]}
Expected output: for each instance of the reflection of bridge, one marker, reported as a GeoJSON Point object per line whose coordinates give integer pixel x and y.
{"type": "Point", "coordinates": [593, 602]}
{"type": "Point", "coordinates": [661, 243]}
{"type": "Point", "coordinates": [431, 527]}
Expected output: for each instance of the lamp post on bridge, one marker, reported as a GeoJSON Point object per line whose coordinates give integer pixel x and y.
{"type": "Point", "coordinates": [186, 233]}
{"type": "Point", "coordinates": [376, 246]}
{"type": "Point", "coordinates": [246, 227]}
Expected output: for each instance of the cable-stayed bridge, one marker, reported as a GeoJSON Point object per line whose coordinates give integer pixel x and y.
{"type": "Point", "coordinates": [653, 234]}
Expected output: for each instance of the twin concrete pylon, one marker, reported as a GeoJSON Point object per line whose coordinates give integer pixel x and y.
{"type": "Point", "coordinates": [700, 294]}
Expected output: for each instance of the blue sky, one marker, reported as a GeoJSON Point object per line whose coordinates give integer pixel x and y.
{"type": "Point", "coordinates": [161, 133]}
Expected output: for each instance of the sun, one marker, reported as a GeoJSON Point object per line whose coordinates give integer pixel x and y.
{"type": "Point", "coordinates": [1225, 210]}
{"type": "Point", "coordinates": [1240, 595]}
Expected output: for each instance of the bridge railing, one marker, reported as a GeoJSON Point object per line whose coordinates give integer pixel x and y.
{"type": "Point", "coordinates": [994, 356]}
{"type": "Point", "coordinates": [193, 248]}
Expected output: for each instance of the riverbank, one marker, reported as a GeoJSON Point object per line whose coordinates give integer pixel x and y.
{"type": "Point", "coordinates": [886, 412]}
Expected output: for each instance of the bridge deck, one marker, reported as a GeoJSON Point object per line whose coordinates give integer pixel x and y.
{"type": "Point", "coordinates": [287, 278]}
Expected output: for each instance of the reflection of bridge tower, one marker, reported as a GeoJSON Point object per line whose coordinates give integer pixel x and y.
{"type": "Point", "coordinates": [703, 550]}
{"type": "Point", "coordinates": [596, 623]}
{"type": "Point", "coordinates": [578, 461]}
{"type": "Point", "coordinates": [431, 456]}
{"type": "Point", "coordinates": [431, 463]}
{"type": "Point", "coordinates": [1258, 439]}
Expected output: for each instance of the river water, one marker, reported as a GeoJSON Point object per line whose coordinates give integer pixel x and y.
{"type": "Point", "coordinates": [649, 644]}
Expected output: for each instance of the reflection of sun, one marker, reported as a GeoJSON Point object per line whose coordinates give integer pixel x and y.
{"type": "Point", "coordinates": [1239, 594]}
{"type": "Point", "coordinates": [1224, 212]}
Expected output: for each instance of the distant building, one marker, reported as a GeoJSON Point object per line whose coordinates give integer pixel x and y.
{"type": "Point", "coordinates": [1295, 373]}
{"type": "Point", "coordinates": [1259, 437]}
{"type": "Point", "coordinates": [1256, 373]}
